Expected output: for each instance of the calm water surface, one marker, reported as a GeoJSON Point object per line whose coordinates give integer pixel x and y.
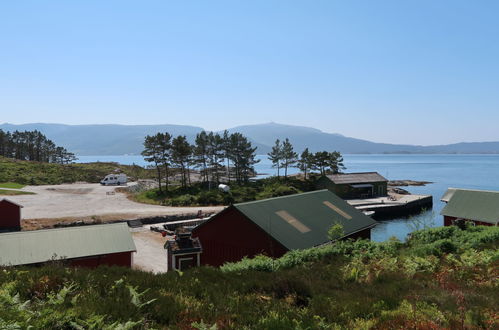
{"type": "Point", "coordinates": [462, 171]}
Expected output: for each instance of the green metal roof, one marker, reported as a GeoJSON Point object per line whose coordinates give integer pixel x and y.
{"type": "Point", "coordinates": [476, 205]}
{"type": "Point", "coordinates": [29, 247]}
{"type": "Point", "coordinates": [301, 221]}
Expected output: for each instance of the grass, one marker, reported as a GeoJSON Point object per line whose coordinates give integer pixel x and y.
{"type": "Point", "coordinates": [350, 285]}
{"type": "Point", "coordinates": [36, 173]}
{"type": "Point", "coordinates": [11, 185]}
{"type": "Point", "coordinates": [15, 192]}
{"type": "Point", "coordinates": [200, 195]}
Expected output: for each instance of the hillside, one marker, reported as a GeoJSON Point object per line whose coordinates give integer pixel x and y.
{"type": "Point", "coordinates": [37, 173]}
{"type": "Point", "coordinates": [442, 278]}
{"type": "Point", "coordinates": [128, 139]}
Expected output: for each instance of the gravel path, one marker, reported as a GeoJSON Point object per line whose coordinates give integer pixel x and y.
{"type": "Point", "coordinates": [89, 199]}
{"type": "Point", "coordinates": [151, 255]}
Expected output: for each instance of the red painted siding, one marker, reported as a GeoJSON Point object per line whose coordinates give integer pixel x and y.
{"type": "Point", "coordinates": [123, 259]}
{"type": "Point", "coordinates": [229, 236]}
{"type": "Point", "coordinates": [10, 216]}
{"type": "Point", "coordinates": [449, 221]}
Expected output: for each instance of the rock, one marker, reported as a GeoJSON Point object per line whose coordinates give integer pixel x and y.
{"type": "Point", "coordinates": [405, 183]}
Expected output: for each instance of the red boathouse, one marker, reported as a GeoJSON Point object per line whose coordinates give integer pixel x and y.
{"type": "Point", "coordinates": [10, 215]}
{"type": "Point", "coordinates": [277, 225]}
{"type": "Point", "coordinates": [481, 207]}
{"type": "Point", "coordinates": [86, 246]}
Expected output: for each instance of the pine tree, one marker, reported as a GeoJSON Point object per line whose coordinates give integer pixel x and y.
{"type": "Point", "coordinates": [305, 162]}
{"type": "Point", "coordinates": [275, 155]}
{"type": "Point", "coordinates": [181, 156]}
{"type": "Point", "coordinates": [200, 154]}
{"type": "Point", "coordinates": [165, 145]}
{"type": "Point", "coordinates": [289, 156]}
{"type": "Point", "coordinates": [152, 153]}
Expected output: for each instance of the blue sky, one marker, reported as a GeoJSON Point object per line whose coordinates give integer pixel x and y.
{"type": "Point", "coordinates": [419, 72]}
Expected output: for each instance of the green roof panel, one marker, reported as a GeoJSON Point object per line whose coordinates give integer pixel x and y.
{"type": "Point", "coordinates": [301, 221]}
{"type": "Point", "coordinates": [29, 247]}
{"type": "Point", "coordinates": [476, 205]}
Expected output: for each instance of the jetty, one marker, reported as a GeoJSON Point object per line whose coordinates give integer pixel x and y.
{"type": "Point", "coordinates": [391, 206]}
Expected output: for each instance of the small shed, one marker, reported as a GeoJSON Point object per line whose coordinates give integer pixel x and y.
{"type": "Point", "coordinates": [10, 215]}
{"type": "Point", "coordinates": [88, 246]}
{"type": "Point", "coordinates": [354, 185]}
{"type": "Point", "coordinates": [478, 206]}
{"type": "Point", "coordinates": [277, 225]}
{"type": "Point", "coordinates": [184, 251]}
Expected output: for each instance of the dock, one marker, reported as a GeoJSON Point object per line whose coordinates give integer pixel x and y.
{"type": "Point", "coordinates": [391, 206]}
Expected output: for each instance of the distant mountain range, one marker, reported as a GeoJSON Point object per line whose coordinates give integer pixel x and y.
{"type": "Point", "coordinates": [127, 139]}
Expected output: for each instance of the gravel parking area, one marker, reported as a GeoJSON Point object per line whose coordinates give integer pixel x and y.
{"type": "Point", "coordinates": [89, 199]}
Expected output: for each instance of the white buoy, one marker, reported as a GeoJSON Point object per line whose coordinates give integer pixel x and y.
{"type": "Point", "coordinates": [224, 187]}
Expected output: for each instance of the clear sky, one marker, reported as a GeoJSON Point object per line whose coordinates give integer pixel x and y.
{"type": "Point", "coordinates": [419, 72]}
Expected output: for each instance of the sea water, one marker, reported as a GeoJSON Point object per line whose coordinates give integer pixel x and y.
{"type": "Point", "coordinates": [459, 171]}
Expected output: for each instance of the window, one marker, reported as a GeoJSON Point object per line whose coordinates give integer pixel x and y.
{"type": "Point", "coordinates": [293, 221]}
{"type": "Point", "coordinates": [337, 210]}
{"type": "Point", "coordinates": [185, 263]}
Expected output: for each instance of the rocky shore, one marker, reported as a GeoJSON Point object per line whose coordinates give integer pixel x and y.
{"type": "Point", "coordinates": [405, 183]}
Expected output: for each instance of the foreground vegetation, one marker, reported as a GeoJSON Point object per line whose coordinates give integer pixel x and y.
{"type": "Point", "coordinates": [199, 194]}
{"type": "Point", "coordinates": [37, 173]}
{"type": "Point", "coordinates": [440, 278]}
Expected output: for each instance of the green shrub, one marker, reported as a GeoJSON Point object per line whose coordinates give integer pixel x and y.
{"type": "Point", "coordinates": [183, 200]}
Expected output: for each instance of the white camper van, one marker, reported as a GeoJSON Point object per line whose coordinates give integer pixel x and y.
{"type": "Point", "coordinates": [112, 179]}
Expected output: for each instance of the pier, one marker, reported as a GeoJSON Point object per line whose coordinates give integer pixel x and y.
{"type": "Point", "coordinates": [392, 206]}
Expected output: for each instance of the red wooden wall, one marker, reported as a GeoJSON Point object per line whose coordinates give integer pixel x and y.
{"type": "Point", "coordinates": [123, 259]}
{"type": "Point", "coordinates": [10, 216]}
{"type": "Point", "coordinates": [448, 221]}
{"type": "Point", "coordinates": [229, 236]}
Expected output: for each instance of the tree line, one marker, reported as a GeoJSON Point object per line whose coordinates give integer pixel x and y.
{"type": "Point", "coordinates": [34, 146]}
{"type": "Point", "coordinates": [283, 157]}
{"type": "Point", "coordinates": [215, 155]}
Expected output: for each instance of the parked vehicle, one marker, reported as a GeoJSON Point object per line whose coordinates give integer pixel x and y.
{"type": "Point", "coordinates": [114, 179]}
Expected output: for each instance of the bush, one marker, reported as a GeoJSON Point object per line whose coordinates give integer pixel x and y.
{"type": "Point", "coordinates": [183, 200]}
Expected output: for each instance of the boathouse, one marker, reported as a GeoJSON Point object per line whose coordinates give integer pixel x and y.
{"type": "Point", "coordinates": [277, 225]}
{"type": "Point", "coordinates": [478, 206]}
{"type": "Point", "coordinates": [10, 216]}
{"type": "Point", "coordinates": [354, 185]}
{"type": "Point", "coordinates": [87, 246]}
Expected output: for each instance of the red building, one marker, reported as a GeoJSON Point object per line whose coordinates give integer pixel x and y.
{"type": "Point", "coordinates": [87, 246]}
{"type": "Point", "coordinates": [477, 206]}
{"type": "Point", "coordinates": [10, 215]}
{"type": "Point", "coordinates": [277, 225]}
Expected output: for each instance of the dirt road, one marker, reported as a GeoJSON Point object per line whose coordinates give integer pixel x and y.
{"type": "Point", "coordinates": [151, 255]}
{"type": "Point", "coordinates": [89, 199]}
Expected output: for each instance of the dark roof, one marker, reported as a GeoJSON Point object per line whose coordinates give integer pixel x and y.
{"type": "Point", "coordinates": [302, 220]}
{"type": "Point", "coordinates": [353, 178]}
{"type": "Point", "coordinates": [184, 245]}
{"type": "Point", "coordinates": [479, 205]}
{"type": "Point", "coordinates": [30, 247]}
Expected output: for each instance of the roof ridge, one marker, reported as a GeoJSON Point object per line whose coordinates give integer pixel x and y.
{"type": "Point", "coordinates": [280, 197]}
{"type": "Point", "coordinates": [60, 229]}
{"type": "Point", "coordinates": [356, 173]}
{"type": "Point", "coordinates": [474, 190]}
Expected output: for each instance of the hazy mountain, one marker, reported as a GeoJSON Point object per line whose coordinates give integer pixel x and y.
{"type": "Point", "coordinates": [127, 139]}
{"type": "Point", "coordinates": [316, 140]}
{"type": "Point", "coordinates": [103, 139]}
